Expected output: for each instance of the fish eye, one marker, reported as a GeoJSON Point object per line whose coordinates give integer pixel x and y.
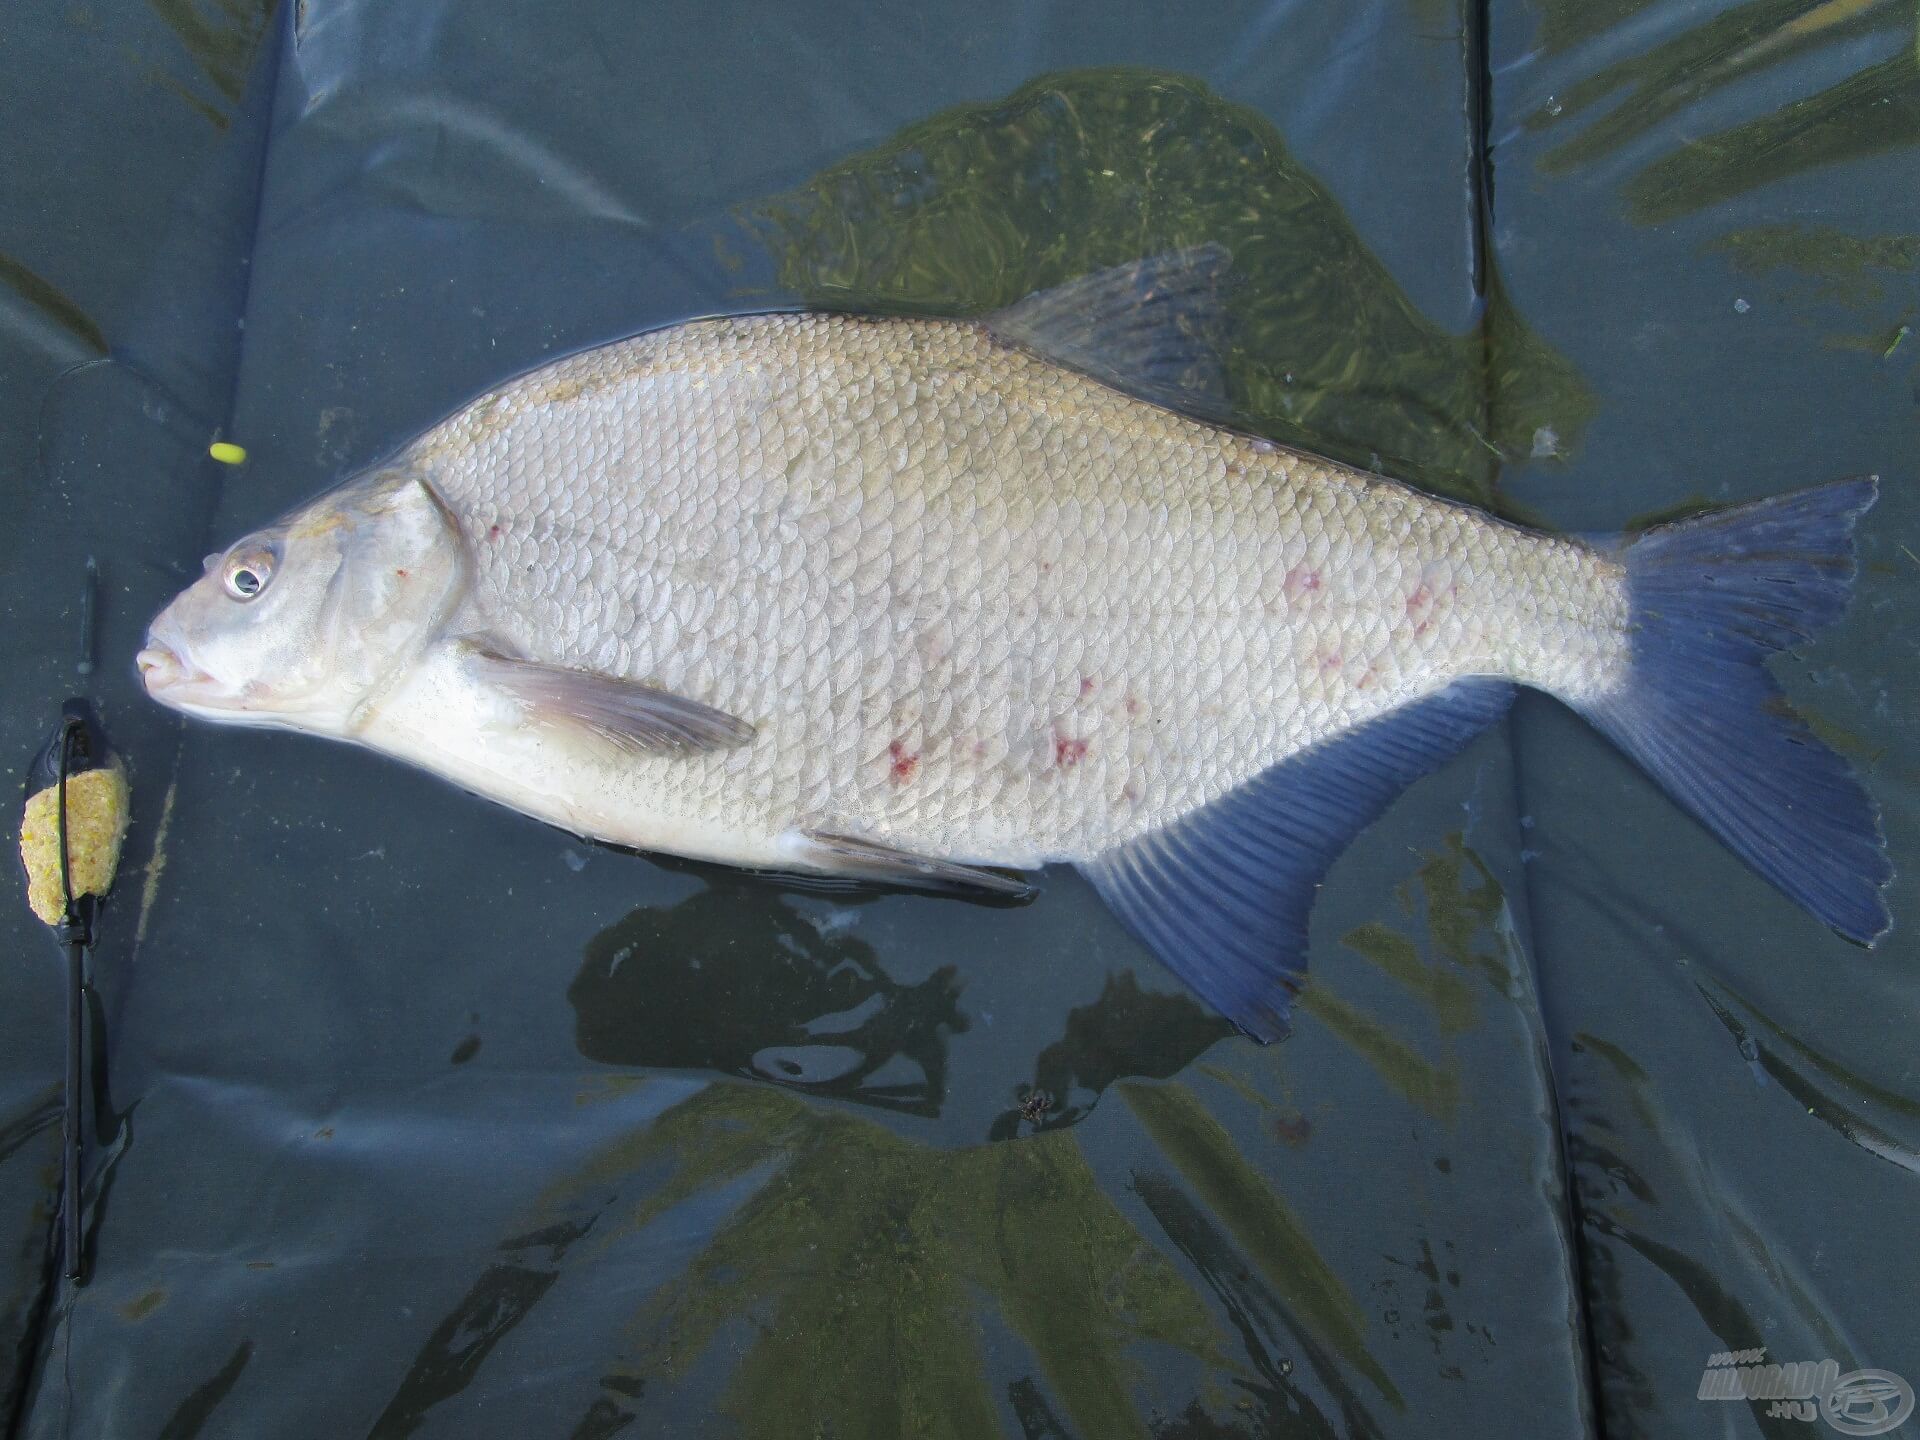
{"type": "Point", "coordinates": [248, 571]}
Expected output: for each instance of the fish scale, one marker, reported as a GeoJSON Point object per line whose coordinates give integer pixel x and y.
{"type": "Point", "coordinates": [778, 511]}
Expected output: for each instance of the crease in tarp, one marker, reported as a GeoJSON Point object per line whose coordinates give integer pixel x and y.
{"type": "Point", "coordinates": [1478, 15]}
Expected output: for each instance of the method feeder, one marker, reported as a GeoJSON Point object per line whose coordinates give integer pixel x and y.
{"type": "Point", "coordinates": [70, 833]}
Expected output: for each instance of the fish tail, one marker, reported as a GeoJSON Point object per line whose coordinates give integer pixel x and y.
{"type": "Point", "coordinates": [1712, 597]}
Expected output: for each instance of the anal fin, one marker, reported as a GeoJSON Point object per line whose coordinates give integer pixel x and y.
{"type": "Point", "coordinates": [884, 864]}
{"type": "Point", "coordinates": [1222, 896]}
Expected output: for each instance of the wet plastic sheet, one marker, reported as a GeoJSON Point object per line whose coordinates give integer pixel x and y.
{"type": "Point", "coordinates": [1739, 1086]}
{"type": "Point", "coordinates": [427, 1120]}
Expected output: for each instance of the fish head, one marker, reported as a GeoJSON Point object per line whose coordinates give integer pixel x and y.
{"type": "Point", "coordinates": [298, 625]}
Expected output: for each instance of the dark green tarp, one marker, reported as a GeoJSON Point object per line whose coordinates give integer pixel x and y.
{"type": "Point", "coordinates": [410, 1116]}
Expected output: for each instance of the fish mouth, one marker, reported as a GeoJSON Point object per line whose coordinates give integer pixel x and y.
{"type": "Point", "coordinates": [168, 678]}
{"type": "Point", "coordinates": [181, 685]}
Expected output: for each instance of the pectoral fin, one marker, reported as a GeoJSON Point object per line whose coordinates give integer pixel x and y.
{"type": "Point", "coordinates": [625, 713]}
{"type": "Point", "coordinates": [885, 865]}
{"type": "Point", "coordinates": [1223, 895]}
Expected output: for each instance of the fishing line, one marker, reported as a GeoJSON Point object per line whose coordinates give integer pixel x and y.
{"type": "Point", "coordinates": [76, 933]}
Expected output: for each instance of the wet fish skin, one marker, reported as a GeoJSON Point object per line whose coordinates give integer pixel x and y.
{"type": "Point", "coordinates": [974, 604]}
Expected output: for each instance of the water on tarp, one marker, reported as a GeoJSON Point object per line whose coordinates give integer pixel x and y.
{"type": "Point", "coordinates": [420, 1118]}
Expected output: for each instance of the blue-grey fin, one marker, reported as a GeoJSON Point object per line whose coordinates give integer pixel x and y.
{"type": "Point", "coordinates": [1713, 596]}
{"type": "Point", "coordinates": [1155, 328]}
{"type": "Point", "coordinates": [884, 864]}
{"type": "Point", "coordinates": [1222, 895]}
{"type": "Point", "coordinates": [632, 716]}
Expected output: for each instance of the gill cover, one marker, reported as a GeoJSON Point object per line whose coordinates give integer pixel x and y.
{"type": "Point", "coordinates": [402, 571]}
{"type": "Point", "coordinates": [331, 606]}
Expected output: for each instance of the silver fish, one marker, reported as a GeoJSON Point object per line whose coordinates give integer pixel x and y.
{"type": "Point", "coordinates": [923, 601]}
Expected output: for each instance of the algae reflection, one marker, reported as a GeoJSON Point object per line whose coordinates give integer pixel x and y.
{"type": "Point", "coordinates": [1866, 282]}
{"type": "Point", "coordinates": [982, 204]}
{"type": "Point", "coordinates": [221, 37]}
{"type": "Point", "coordinates": [1871, 111]}
{"type": "Point", "coordinates": [1456, 900]}
{"type": "Point", "coordinates": [857, 1283]}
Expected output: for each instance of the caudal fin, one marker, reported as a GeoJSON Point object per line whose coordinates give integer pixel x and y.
{"type": "Point", "coordinates": [1712, 597]}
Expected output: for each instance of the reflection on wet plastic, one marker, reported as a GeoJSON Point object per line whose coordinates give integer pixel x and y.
{"type": "Point", "coordinates": [1267, 1327]}
{"type": "Point", "coordinates": [740, 981]}
{"type": "Point", "coordinates": [222, 38]}
{"type": "Point", "coordinates": [78, 329]}
{"type": "Point", "coordinates": [1842, 1099]}
{"type": "Point", "coordinates": [1263, 1223]}
{"type": "Point", "coordinates": [1617, 1201]}
{"type": "Point", "coordinates": [736, 979]}
{"type": "Point", "coordinates": [1454, 898]}
{"type": "Point", "coordinates": [1126, 1032]}
{"type": "Point", "coordinates": [1873, 109]}
{"type": "Point", "coordinates": [1864, 281]}
{"type": "Point", "coordinates": [861, 1254]}
{"type": "Point", "coordinates": [193, 1413]}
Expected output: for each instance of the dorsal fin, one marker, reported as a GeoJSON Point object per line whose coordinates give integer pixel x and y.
{"type": "Point", "coordinates": [1154, 328]}
{"type": "Point", "coordinates": [1222, 895]}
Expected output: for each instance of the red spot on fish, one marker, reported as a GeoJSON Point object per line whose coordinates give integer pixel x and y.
{"type": "Point", "coordinates": [1423, 604]}
{"type": "Point", "coordinates": [1365, 679]}
{"type": "Point", "coordinates": [1330, 660]}
{"type": "Point", "coordinates": [1133, 705]}
{"type": "Point", "coordinates": [401, 573]}
{"type": "Point", "coordinates": [493, 532]}
{"type": "Point", "coordinates": [979, 749]}
{"type": "Point", "coordinates": [1302, 580]}
{"type": "Point", "coordinates": [1067, 753]}
{"type": "Point", "coordinates": [1128, 793]}
{"type": "Point", "coordinates": [903, 762]}
{"type": "Point", "coordinates": [1086, 686]}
